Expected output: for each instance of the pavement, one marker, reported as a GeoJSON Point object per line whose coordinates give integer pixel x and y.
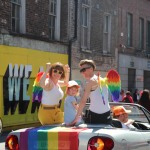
{"type": "Point", "coordinates": [3, 136]}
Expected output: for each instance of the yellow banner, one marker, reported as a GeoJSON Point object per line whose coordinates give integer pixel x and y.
{"type": "Point", "coordinates": [18, 68]}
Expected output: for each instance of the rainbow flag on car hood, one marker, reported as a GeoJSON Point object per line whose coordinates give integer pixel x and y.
{"type": "Point", "coordinates": [50, 138]}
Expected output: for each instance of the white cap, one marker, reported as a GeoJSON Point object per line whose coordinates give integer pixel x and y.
{"type": "Point", "coordinates": [72, 83]}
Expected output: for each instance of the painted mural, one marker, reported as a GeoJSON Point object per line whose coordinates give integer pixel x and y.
{"type": "Point", "coordinates": [18, 68]}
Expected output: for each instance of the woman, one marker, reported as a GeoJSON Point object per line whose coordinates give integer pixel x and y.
{"type": "Point", "coordinates": [49, 111]}
{"type": "Point", "coordinates": [99, 109]}
{"type": "Point", "coordinates": [145, 99]}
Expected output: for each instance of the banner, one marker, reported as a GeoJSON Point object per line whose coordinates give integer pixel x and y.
{"type": "Point", "coordinates": [18, 68]}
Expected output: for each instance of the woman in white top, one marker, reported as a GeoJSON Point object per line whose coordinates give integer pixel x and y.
{"type": "Point", "coordinates": [49, 111]}
{"type": "Point", "coordinates": [99, 109]}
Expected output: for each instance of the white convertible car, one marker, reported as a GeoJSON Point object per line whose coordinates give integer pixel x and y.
{"type": "Point", "coordinates": [86, 136]}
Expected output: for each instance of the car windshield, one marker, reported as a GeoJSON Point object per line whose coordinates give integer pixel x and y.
{"type": "Point", "coordinates": [137, 113]}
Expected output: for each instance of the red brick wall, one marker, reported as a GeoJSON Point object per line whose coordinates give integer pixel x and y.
{"type": "Point", "coordinates": [138, 8]}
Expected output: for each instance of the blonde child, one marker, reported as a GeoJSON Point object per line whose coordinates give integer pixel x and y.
{"type": "Point", "coordinates": [71, 104]}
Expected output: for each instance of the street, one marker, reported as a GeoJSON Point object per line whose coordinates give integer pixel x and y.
{"type": "Point", "coordinates": [2, 140]}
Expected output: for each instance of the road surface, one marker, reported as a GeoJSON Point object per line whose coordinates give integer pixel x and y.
{"type": "Point", "coordinates": [2, 140]}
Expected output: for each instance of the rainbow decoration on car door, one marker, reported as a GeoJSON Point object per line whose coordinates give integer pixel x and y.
{"type": "Point", "coordinates": [50, 138]}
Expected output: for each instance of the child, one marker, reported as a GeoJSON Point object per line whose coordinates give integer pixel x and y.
{"type": "Point", "coordinates": [71, 105]}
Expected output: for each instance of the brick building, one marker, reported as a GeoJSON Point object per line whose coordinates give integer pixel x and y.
{"type": "Point", "coordinates": [134, 41]}
{"type": "Point", "coordinates": [96, 35]}
{"type": "Point", "coordinates": [23, 22]}
{"type": "Point", "coordinates": [116, 34]}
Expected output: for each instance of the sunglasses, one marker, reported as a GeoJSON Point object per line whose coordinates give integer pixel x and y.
{"type": "Point", "coordinates": [57, 71]}
{"type": "Point", "coordinates": [84, 69]}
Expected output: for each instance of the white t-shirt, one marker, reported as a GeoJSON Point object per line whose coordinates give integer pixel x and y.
{"type": "Point", "coordinates": [53, 96]}
{"type": "Point", "coordinates": [97, 102]}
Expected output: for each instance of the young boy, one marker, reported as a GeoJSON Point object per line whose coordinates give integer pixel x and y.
{"type": "Point", "coordinates": [71, 104]}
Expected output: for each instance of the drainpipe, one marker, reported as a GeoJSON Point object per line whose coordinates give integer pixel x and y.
{"type": "Point", "coordinates": [74, 38]}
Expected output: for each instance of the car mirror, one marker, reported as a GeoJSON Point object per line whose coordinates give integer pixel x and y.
{"type": "Point", "coordinates": [1, 125]}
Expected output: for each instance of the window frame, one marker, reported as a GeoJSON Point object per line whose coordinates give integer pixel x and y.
{"type": "Point", "coordinates": [106, 33]}
{"type": "Point", "coordinates": [16, 4]}
{"type": "Point", "coordinates": [85, 26]}
{"type": "Point", "coordinates": [141, 33]}
{"type": "Point", "coordinates": [52, 19]}
{"type": "Point", "coordinates": [54, 27]}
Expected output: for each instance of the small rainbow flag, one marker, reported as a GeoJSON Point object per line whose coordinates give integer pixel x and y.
{"type": "Point", "coordinates": [50, 138]}
{"type": "Point", "coordinates": [37, 90]}
{"type": "Point", "coordinates": [101, 82]}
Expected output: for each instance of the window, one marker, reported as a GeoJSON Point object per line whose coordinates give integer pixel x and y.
{"type": "Point", "coordinates": [148, 36]}
{"type": "Point", "coordinates": [15, 15]}
{"type": "Point", "coordinates": [107, 33]}
{"type": "Point", "coordinates": [85, 24]}
{"type": "Point", "coordinates": [54, 19]}
{"type": "Point", "coordinates": [129, 29]}
{"type": "Point", "coordinates": [141, 33]}
{"type": "Point", "coordinates": [18, 12]}
{"type": "Point", "coordinates": [106, 23]}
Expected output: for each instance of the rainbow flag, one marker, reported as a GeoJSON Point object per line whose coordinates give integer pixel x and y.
{"type": "Point", "coordinates": [102, 82]}
{"type": "Point", "coordinates": [37, 90]}
{"type": "Point", "coordinates": [50, 138]}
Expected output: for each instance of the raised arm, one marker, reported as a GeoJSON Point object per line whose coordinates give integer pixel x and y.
{"type": "Point", "coordinates": [67, 75]}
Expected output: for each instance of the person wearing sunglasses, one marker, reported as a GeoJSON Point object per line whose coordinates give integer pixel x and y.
{"type": "Point", "coordinates": [55, 77]}
{"type": "Point", "coordinates": [99, 109]}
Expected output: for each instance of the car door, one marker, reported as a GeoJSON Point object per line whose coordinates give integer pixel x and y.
{"type": "Point", "coordinates": [146, 136]}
